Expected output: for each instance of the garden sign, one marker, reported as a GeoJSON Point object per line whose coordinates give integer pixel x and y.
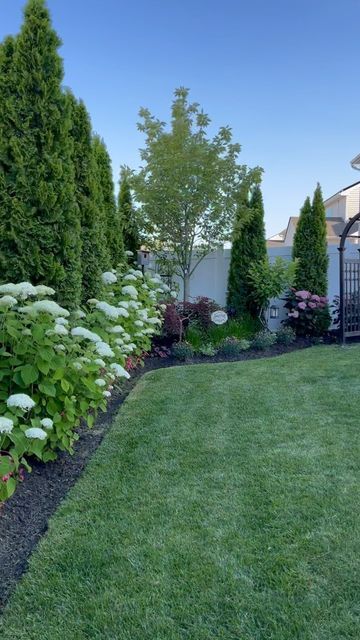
{"type": "Point", "coordinates": [219, 317]}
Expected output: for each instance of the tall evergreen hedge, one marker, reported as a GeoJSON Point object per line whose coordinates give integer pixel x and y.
{"type": "Point", "coordinates": [39, 219]}
{"type": "Point", "coordinates": [248, 247]}
{"type": "Point", "coordinates": [107, 206]}
{"type": "Point", "coordinates": [93, 244]}
{"type": "Point", "coordinates": [310, 246]}
{"type": "Point", "coordinates": [127, 216]}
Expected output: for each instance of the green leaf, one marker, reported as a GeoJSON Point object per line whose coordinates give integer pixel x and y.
{"type": "Point", "coordinates": [48, 389]}
{"type": "Point", "coordinates": [43, 366]}
{"type": "Point", "coordinates": [10, 487]}
{"type": "Point", "coordinates": [29, 374]}
{"type": "Point", "coordinates": [58, 374]}
{"type": "Point", "coordinates": [46, 354]}
{"type": "Point", "coordinates": [65, 385]}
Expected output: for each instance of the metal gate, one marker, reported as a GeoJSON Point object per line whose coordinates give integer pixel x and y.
{"type": "Point", "coordinates": [349, 271]}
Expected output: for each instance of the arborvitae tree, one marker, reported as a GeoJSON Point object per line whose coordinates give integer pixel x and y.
{"type": "Point", "coordinates": [42, 238]}
{"type": "Point", "coordinates": [248, 248]}
{"type": "Point", "coordinates": [107, 204]}
{"type": "Point", "coordinates": [93, 242]}
{"type": "Point", "coordinates": [127, 216]}
{"type": "Point", "coordinates": [310, 246]}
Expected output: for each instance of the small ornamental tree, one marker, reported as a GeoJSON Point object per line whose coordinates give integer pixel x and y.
{"type": "Point", "coordinates": [92, 227]}
{"type": "Point", "coordinates": [269, 280]}
{"type": "Point", "coordinates": [127, 215]}
{"type": "Point", "coordinates": [39, 222]}
{"type": "Point", "coordinates": [189, 185]}
{"type": "Point", "coordinates": [248, 248]}
{"type": "Point", "coordinates": [310, 247]}
{"type": "Point", "coordinates": [108, 214]}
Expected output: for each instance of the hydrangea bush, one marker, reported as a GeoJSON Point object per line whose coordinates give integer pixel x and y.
{"type": "Point", "coordinates": [58, 367]}
{"type": "Point", "coordinates": [308, 313]}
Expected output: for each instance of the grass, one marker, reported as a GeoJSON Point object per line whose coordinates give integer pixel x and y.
{"type": "Point", "coordinates": [223, 504]}
{"type": "Point", "coordinates": [244, 328]}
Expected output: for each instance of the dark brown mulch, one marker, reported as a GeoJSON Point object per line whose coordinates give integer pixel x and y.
{"type": "Point", "coordinates": [24, 518]}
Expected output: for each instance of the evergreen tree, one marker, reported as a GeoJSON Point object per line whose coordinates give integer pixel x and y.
{"type": "Point", "coordinates": [107, 206]}
{"type": "Point", "coordinates": [128, 217]}
{"type": "Point", "coordinates": [41, 241]}
{"type": "Point", "coordinates": [93, 242]}
{"type": "Point", "coordinates": [248, 248]}
{"type": "Point", "coordinates": [310, 246]}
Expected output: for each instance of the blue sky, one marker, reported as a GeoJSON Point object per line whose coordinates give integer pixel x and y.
{"type": "Point", "coordinates": [284, 74]}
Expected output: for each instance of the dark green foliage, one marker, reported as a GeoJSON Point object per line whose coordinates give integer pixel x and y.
{"type": "Point", "coordinates": [263, 340]}
{"type": "Point", "coordinates": [230, 347]}
{"type": "Point", "coordinates": [248, 248]}
{"type": "Point", "coordinates": [183, 351]}
{"type": "Point", "coordinates": [128, 217]}
{"type": "Point", "coordinates": [285, 335]}
{"type": "Point", "coordinates": [39, 221]}
{"type": "Point", "coordinates": [93, 242]}
{"type": "Point", "coordinates": [108, 216]}
{"type": "Point", "coordinates": [310, 246]}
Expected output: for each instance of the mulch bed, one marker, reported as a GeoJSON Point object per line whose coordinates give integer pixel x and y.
{"type": "Point", "coordinates": [24, 518]}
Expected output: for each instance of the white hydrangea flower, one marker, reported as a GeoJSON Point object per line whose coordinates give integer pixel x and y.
{"type": "Point", "coordinates": [104, 350]}
{"type": "Point", "coordinates": [159, 290]}
{"type": "Point", "coordinates": [22, 290]}
{"type": "Point", "coordinates": [106, 394]}
{"type": "Point", "coordinates": [100, 382]}
{"type": "Point", "coordinates": [47, 423]}
{"type": "Point", "coordinates": [129, 253]}
{"type": "Point", "coordinates": [124, 303]}
{"type": "Point", "coordinates": [63, 321]}
{"type": "Point", "coordinates": [154, 280]}
{"type": "Point", "coordinates": [119, 371]}
{"type": "Point", "coordinates": [79, 313]}
{"type": "Point", "coordinates": [152, 295]}
{"type": "Point", "coordinates": [129, 290]}
{"type": "Point", "coordinates": [50, 306]}
{"type": "Point", "coordinates": [85, 360]}
{"type": "Point", "coordinates": [143, 314]}
{"type": "Point", "coordinates": [59, 347]}
{"type": "Point", "coordinates": [163, 307]}
{"type": "Point", "coordinates": [138, 323]}
{"type": "Point", "coordinates": [126, 337]}
{"type": "Point", "coordinates": [134, 305]}
{"type": "Point", "coordinates": [43, 290]}
{"type": "Point", "coordinates": [20, 401]}
{"type": "Point", "coordinates": [117, 329]}
{"type": "Point", "coordinates": [60, 330]}
{"type": "Point", "coordinates": [93, 301]}
{"type": "Point", "coordinates": [165, 287]}
{"type": "Point", "coordinates": [109, 310]}
{"type": "Point", "coordinates": [139, 334]}
{"type": "Point", "coordinates": [119, 342]}
{"type": "Point", "coordinates": [130, 277]}
{"type": "Point", "coordinates": [173, 294]}
{"type": "Point", "coordinates": [138, 273]}
{"type": "Point", "coordinates": [8, 301]}
{"type": "Point", "coordinates": [82, 332]}
{"type": "Point", "coordinates": [6, 425]}
{"type": "Point", "coordinates": [36, 433]}
{"type": "Point", "coordinates": [145, 286]}
{"type": "Point", "coordinates": [77, 366]}
{"type": "Point", "coordinates": [149, 331]}
{"type": "Point", "coordinates": [100, 362]}
{"type": "Point", "coordinates": [108, 277]}
{"type": "Point", "coordinates": [26, 332]}
{"type": "Point", "coordinates": [111, 294]}
{"type": "Point", "coordinates": [154, 321]}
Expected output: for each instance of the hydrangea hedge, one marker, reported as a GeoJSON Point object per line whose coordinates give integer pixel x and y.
{"type": "Point", "coordinates": [58, 367]}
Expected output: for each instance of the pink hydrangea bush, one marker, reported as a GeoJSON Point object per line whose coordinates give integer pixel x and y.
{"type": "Point", "coordinates": [308, 313]}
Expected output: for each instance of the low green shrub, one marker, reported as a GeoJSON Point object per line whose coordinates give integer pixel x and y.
{"type": "Point", "coordinates": [183, 351]}
{"type": "Point", "coordinates": [195, 336]}
{"type": "Point", "coordinates": [264, 339]}
{"type": "Point", "coordinates": [57, 367]}
{"type": "Point", "coordinates": [230, 347]}
{"type": "Point", "coordinates": [207, 350]}
{"type": "Point", "coordinates": [285, 335]}
{"type": "Point", "coordinates": [233, 328]}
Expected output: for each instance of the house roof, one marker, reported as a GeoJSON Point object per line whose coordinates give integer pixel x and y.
{"type": "Point", "coordinates": [334, 228]}
{"type": "Point", "coordinates": [341, 191]}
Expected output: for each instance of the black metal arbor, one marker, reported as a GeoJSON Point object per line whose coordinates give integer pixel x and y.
{"type": "Point", "coordinates": [349, 271]}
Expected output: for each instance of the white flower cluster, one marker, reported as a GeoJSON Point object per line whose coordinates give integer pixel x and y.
{"type": "Point", "coordinates": [109, 277]}
{"type": "Point", "coordinates": [20, 401]}
{"type": "Point", "coordinates": [6, 425]}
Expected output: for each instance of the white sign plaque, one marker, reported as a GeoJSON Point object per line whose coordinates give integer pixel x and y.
{"type": "Point", "coordinates": [219, 317]}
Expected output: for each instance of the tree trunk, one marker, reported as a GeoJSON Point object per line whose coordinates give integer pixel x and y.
{"type": "Point", "coordinates": [186, 287]}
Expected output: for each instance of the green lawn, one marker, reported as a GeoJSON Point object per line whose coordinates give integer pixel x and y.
{"type": "Point", "coordinates": [224, 503]}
